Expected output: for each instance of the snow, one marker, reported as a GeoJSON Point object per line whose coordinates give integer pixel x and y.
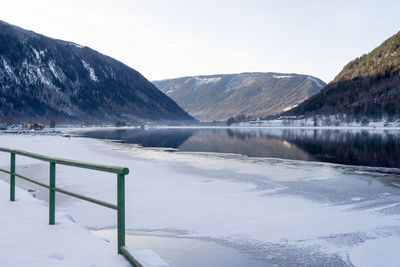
{"type": "Point", "coordinates": [367, 255]}
{"type": "Point", "coordinates": [73, 44]}
{"type": "Point", "coordinates": [37, 55]}
{"type": "Point", "coordinates": [29, 71]}
{"type": "Point", "coordinates": [28, 240]}
{"type": "Point", "coordinates": [57, 72]}
{"type": "Point", "coordinates": [331, 122]}
{"type": "Point", "coordinates": [9, 70]}
{"type": "Point", "coordinates": [39, 244]}
{"type": "Point", "coordinates": [278, 209]}
{"type": "Point", "coordinates": [6, 66]}
{"type": "Point", "coordinates": [53, 70]}
{"type": "Point", "coordinates": [199, 81]}
{"type": "Point", "coordinates": [289, 107]}
{"type": "Point", "coordinates": [316, 81]}
{"type": "Point", "coordinates": [148, 257]}
{"type": "Point", "coordinates": [90, 70]}
{"type": "Point", "coordinates": [282, 76]}
{"type": "Point", "coordinates": [241, 80]}
{"type": "Point", "coordinates": [42, 78]}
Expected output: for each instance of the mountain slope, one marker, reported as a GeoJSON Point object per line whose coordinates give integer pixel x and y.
{"type": "Point", "coordinates": [368, 86]}
{"type": "Point", "coordinates": [42, 78]}
{"type": "Point", "coordinates": [218, 97]}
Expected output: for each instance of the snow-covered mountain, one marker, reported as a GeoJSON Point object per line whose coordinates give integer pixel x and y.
{"type": "Point", "coordinates": [42, 79]}
{"type": "Point", "coordinates": [218, 97]}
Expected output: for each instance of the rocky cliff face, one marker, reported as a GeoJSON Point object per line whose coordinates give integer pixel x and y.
{"type": "Point", "coordinates": [367, 87]}
{"type": "Point", "coordinates": [219, 97]}
{"type": "Point", "coordinates": [43, 78]}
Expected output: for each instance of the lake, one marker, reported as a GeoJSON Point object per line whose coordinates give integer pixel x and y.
{"type": "Point", "coordinates": [364, 147]}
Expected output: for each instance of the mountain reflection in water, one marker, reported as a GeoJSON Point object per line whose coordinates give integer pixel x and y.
{"type": "Point", "coordinates": [353, 147]}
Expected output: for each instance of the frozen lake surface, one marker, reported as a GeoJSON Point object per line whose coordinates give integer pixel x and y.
{"type": "Point", "coordinates": [280, 211]}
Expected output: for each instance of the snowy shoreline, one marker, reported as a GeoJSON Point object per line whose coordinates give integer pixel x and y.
{"type": "Point", "coordinates": [281, 210]}
{"type": "Point", "coordinates": [66, 131]}
{"type": "Point", "coordinates": [245, 126]}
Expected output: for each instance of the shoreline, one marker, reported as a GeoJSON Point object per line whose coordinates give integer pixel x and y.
{"type": "Point", "coordinates": [68, 130]}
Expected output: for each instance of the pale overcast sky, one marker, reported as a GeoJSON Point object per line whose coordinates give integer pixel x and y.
{"type": "Point", "coordinates": [174, 38]}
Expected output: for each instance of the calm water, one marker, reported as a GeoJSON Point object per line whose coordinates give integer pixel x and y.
{"type": "Point", "coordinates": [352, 147]}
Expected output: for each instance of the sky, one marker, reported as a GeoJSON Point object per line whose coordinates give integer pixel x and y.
{"type": "Point", "coordinates": [174, 38]}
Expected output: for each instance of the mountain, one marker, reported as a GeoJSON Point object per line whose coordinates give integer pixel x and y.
{"type": "Point", "coordinates": [367, 87]}
{"type": "Point", "coordinates": [219, 97]}
{"type": "Point", "coordinates": [43, 78]}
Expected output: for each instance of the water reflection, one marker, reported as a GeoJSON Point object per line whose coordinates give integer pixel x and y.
{"type": "Point", "coordinates": [167, 138]}
{"type": "Point", "coordinates": [362, 147]}
{"type": "Point", "coordinates": [353, 147]}
{"type": "Point", "coordinates": [252, 144]}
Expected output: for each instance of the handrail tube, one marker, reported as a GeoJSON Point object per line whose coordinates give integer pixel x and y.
{"type": "Point", "coordinates": [75, 163]}
{"type": "Point", "coordinates": [52, 194]}
{"type": "Point", "coordinates": [12, 177]}
{"type": "Point", "coordinates": [93, 200]}
{"type": "Point", "coordinates": [129, 257]}
{"type": "Point", "coordinates": [29, 179]}
{"type": "Point", "coordinates": [121, 211]}
{"type": "Point", "coordinates": [99, 202]}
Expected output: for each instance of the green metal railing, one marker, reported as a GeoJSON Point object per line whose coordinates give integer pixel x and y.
{"type": "Point", "coordinates": [120, 207]}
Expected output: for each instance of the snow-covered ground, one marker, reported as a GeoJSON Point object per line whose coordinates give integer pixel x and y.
{"type": "Point", "coordinates": [28, 240]}
{"type": "Point", "coordinates": [291, 213]}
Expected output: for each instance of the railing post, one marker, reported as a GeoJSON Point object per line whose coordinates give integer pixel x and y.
{"type": "Point", "coordinates": [52, 193]}
{"type": "Point", "coordinates": [12, 177]}
{"type": "Point", "coordinates": [121, 211]}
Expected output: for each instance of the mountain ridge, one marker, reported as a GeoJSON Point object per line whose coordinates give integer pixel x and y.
{"type": "Point", "coordinates": [42, 77]}
{"type": "Point", "coordinates": [220, 96]}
